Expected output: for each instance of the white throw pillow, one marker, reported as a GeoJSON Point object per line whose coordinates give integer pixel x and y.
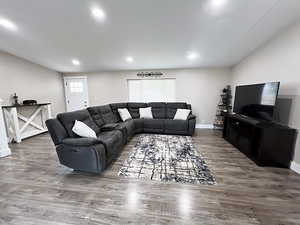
{"type": "Point", "coordinates": [182, 114]}
{"type": "Point", "coordinates": [83, 130]}
{"type": "Point", "coordinates": [124, 114]}
{"type": "Point", "coordinates": [146, 113]}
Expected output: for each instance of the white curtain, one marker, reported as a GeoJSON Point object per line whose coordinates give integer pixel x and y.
{"type": "Point", "coordinates": [154, 90]}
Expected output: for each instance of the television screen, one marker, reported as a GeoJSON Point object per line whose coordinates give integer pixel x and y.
{"type": "Point", "coordinates": [257, 100]}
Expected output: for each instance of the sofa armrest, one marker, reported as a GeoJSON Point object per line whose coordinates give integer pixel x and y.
{"type": "Point", "coordinates": [191, 125]}
{"type": "Point", "coordinates": [81, 142]}
{"type": "Point", "coordinates": [57, 131]}
{"type": "Point", "coordinates": [191, 117]}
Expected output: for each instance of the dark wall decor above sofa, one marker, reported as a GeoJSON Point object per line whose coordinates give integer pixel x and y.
{"type": "Point", "coordinates": [150, 74]}
{"type": "Point", "coordinates": [94, 154]}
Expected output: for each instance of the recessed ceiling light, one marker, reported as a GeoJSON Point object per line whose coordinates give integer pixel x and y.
{"type": "Point", "coordinates": [218, 3]}
{"type": "Point", "coordinates": [129, 59]}
{"type": "Point", "coordinates": [192, 55]}
{"type": "Point", "coordinates": [8, 24]}
{"type": "Point", "coordinates": [98, 13]}
{"type": "Point", "coordinates": [76, 62]}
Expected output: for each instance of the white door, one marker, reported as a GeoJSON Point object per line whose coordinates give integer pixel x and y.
{"type": "Point", "coordinates": [76, 93]}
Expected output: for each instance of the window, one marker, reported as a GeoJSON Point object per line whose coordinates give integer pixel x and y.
{"type": "Point", "coordinates": [269, 94]}
{"type": "Point", "coordinates": [76, 87]}
{"type": "Point", "coordinates": [152, 90]}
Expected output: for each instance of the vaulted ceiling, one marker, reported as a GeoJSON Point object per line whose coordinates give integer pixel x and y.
{"type": "Point", "coordinates": [84, 35]}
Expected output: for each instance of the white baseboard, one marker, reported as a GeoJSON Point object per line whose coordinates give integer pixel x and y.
{"type": "Point", "coordinates": [205, 126]}
{"type": "Point", "coordinates": [5, 152]}
{"type": "Point", "coordinates": [295, 167]}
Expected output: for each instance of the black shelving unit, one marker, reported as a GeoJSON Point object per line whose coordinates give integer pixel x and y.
{"type": "Point", "coordinates": [224, 107]}
{"type": "Point", "coordinates": [266, 143]}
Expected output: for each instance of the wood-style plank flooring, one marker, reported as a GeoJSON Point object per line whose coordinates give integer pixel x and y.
{"type": "Point", "coordinates": [36, 190]}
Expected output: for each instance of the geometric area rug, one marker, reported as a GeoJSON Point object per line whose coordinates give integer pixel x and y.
{"type": "Point", "coordinates": [166, 158]}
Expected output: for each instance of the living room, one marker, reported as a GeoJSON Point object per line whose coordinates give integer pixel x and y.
{"type": "Point", "coordinates": [149, 112]}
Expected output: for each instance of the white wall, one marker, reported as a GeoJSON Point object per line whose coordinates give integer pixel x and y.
{"type": "Point", "coordinates": [199, 87]}
{"type": "Point", "coordinates": [30, 81]}
{"type": "Point", "coordinates": [278, 60]}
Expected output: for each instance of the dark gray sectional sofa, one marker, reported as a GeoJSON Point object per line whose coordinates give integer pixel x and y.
{"type": "Point", "coordinates": [93, 155]}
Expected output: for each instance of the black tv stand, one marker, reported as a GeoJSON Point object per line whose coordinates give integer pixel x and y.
{"type": "Point", "coordinates": [266, 143]}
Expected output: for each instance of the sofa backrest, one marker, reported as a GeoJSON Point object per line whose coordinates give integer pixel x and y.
{"type": "Point", "coordinates": [115, 107]}
{"type": "Point", "coordinates": [172, 108]}
{"type": "Point", "coordinates": [68, 119]}
{"type": "Point", "coordinates": [96, 115]}
{"type": "Point", "coordinates": [158, 109]}
{"type": "Point", "coordinates": [106, 113]}
{"type": "Point", "coordinates": [133, 108]}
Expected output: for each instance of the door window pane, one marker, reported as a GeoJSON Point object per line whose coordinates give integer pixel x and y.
{"type": "Point", "coordinates": [76, 87]}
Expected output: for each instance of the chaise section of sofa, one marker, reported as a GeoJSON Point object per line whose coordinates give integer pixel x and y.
{"type": "Point", "coordinates": [94, 154]}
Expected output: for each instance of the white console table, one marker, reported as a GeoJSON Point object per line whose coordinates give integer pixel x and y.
{"type": "Point", "coordinates": [13, 116]}
{"type": "Point", "coordinates": [4, 148]}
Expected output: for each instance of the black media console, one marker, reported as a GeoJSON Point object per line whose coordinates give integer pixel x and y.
{"type": "Point", "coordinates": [266, 143]}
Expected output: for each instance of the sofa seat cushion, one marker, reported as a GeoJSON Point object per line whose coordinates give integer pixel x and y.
{"type": "Point", "coordinates": [112, 140]}
{"type": "Point", "coordinates": [116, 126]}
{"type": "Point", "coordinates": [79, 142]}
{"type": "Point", "coordinates": [176, 132]}
{"type": "Point", "coordinates": [68, 121]}
{"type": "Point", "coordinates": [154, 123]}
{"type": "Point", "coordinates": [138, 125]}
{"type": "Point", "coordinates": [129, 125]}
{"type": "Point", "coordinates": [123, 127]}
{"type": "Point", "coordinates": [181, 125]}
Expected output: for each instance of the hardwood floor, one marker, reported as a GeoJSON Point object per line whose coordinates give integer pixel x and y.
{"type": "Point", "coordinates": [36, 189]}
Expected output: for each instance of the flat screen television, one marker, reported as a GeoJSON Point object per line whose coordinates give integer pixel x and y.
{"type": "Point", "coordinates": [257, 100]}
